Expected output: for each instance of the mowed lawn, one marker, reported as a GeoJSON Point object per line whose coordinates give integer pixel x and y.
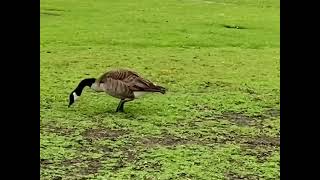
{"type": "Point", "coordinates": [219, 60]}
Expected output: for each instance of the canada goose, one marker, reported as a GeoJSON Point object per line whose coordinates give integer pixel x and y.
{"type": "Point", "coordinates": [123, 84]}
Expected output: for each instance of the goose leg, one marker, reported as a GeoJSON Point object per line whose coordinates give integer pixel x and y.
{"type": "Point", "coordinates": [121, 104]}
{"type": "Point", "coordinates": [121, 107]}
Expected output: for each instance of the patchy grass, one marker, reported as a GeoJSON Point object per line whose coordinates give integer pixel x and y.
{"type": "Point", "coordinates": [219, 60]}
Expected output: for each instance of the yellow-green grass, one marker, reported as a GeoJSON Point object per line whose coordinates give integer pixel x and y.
{"type": "Point", "coordinates": [219, 61]}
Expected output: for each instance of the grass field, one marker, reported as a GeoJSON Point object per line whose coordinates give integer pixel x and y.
{"type": "Point", "coordinates": [220, 61]}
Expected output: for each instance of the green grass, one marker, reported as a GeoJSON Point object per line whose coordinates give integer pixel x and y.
{"type": "Point", "coordinates": [219, 119]}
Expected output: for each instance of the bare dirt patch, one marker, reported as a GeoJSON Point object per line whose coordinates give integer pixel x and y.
{"type": "Point", "coordinates": [44, 162]}
{"type": "Point", "coordinates": [260, 147]}
{"type": "Point", "coordinates": [167, 140]}
{"type": "Point", "coordinates": [130, 155]}
{"type": "Point", "coordinates": [103, 133]}
{"type": "Point", "coordinates": [91, 166]}
{"type": "Point", "coordinates": [263, 141]}
{"type": "Point", "coordinates": [239, 119]}
{"type": "Point", "coordinates": [261, 155]}
{"type": "Point", "coordinates": [69, 162]}
{"type": "Point", "coordinates": [242, 119]}
{"type": "Point", "coordinates": [273, 113]}
{"type": "Point", "coordinates": [173, 141]}
{"type": "Point", "coordinates": [50, 128]}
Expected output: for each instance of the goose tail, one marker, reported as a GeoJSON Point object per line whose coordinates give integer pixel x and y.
{"type": "Point", "coordinates": [162, 90]}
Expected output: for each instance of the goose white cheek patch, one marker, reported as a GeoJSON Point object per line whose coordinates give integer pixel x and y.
{"type": "Point", "coordinates": [75, 96]}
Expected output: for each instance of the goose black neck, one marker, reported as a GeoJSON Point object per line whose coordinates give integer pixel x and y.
{"type": "Point", "coordinates": [85, 82]}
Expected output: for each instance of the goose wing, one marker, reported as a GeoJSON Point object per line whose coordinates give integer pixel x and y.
{"type": "Point", "coordinates": [119, 74]}
{"type": "Point", "coordinates": [131, 79]}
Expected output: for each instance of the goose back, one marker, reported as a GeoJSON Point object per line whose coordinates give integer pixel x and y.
{"type": "Point", "coordinates": [123, 83]}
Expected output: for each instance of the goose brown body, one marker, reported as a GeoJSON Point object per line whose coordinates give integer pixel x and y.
{"type": "Point", "coordinates": [123, 84]}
